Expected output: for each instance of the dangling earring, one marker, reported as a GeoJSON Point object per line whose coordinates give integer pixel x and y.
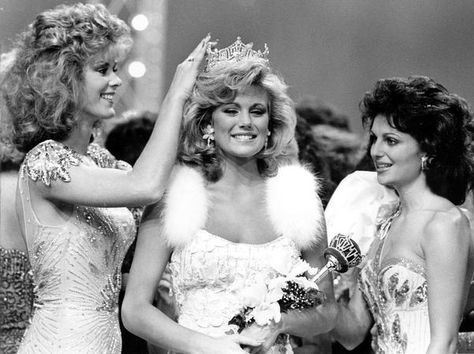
{"type": "Point", "coordinates": [425, 162]}
{"type": "Point", "coordinates": [266, 140]}
{"type": "Point", "coordinates": [209, 135]}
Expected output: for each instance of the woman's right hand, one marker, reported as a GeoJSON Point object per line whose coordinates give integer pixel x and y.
{"type": "Point", "coordinates": [230, 344]}
{"type": "Point", "coordinates": [186, 72]}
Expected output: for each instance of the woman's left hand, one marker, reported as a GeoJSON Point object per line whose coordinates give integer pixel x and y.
{"type": "Point", "coordinates": [267, 334]}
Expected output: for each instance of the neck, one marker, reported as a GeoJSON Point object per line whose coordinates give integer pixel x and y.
{"type": "Point", "coordinates": [415, 196]}
{"type": "Point", "coordinates": [80, 136]}
{"type": "Point", "coordinates": [240, 173]}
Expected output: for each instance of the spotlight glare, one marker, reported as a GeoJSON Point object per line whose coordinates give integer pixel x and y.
{"type": "Point", "coordinates": [139, 22]}
{"type": "Point", "coordinates": [136, 69]}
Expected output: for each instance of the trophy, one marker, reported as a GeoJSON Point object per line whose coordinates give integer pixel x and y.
{"type": "Point", "coordinates": [343, 253]}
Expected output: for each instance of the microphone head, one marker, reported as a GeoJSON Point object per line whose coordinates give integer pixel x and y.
{"type": "Point", "coordinates": [344, 251]}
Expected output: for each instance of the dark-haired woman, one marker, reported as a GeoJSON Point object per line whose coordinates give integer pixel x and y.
{"type": "Point", "coordinates": [414, 284]}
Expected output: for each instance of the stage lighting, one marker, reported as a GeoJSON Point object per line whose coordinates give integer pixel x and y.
{"type": "Point", "coordinates": [136, 69]}
{"type": "Point", "coordinates": [139, 22]}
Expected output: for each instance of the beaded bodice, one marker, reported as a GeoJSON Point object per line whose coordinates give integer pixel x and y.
{"type": "Point", "coordinates": [396, 293]}
{"type": "Point", "coordinates": [76, 270]}
{"type": "Point", "coordinates": [209, 272]}
{"type": "Point", "coordinates": [16, 298]}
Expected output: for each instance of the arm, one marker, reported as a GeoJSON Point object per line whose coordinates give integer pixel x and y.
{"type": "Point", "coordinates": [353, 321]}
{"type": "Point", "coordinates": [143, 319]}
{"type": "Point", "coordinates": [147, 180]}
{"type": "Point", "coordinates": [446, 245]}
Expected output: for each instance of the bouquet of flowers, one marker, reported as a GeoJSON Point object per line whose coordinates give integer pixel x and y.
{"type": "Point", "coordinates": [265, 300]}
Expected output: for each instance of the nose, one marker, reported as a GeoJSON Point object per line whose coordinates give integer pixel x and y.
{"type": "Point", "coordinates": [245, 120]}
{"type": "Point", "coordinates": [376, 149]}
{"type": "Point", "coordinates": [115, 80]}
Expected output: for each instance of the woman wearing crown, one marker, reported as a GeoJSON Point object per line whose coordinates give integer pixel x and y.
{"type": "Point", "coordinates": [237, 204]}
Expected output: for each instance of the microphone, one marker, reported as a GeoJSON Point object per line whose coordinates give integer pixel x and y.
{"type": "Point", "coordinates": [343, 253]}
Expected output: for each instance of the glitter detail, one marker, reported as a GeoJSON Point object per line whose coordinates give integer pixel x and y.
{"type": "Point", "coordinates": [50, 161]}
{"type": "Point", "coordinates": [16, 298]}
{"type": "Point", "coordinates": [396, 293]}
{"type": "Point", "coordinates": [76, 269]}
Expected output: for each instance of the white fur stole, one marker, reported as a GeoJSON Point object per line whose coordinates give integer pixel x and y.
{"type": "Point", "coordinates": [293, 205]}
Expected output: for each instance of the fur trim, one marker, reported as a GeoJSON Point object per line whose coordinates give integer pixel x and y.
{"type": "Point", "coordinates": [186, 205]}
{"type": "Point", "coordinates": [293, 205]}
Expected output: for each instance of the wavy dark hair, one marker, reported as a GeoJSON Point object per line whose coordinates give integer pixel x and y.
{"type": "Point", "coordinates": [43, 88]}
{"type": "Point", "coordinates": [441, 123]}
{"type": "Point", "coordinates": [221, 85]}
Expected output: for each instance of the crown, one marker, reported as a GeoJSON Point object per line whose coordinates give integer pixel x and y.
{"type": "Point", "coordinates": [237, 51]}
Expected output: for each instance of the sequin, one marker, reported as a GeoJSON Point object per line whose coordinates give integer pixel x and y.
{"type": "Point", "coordinates": [16, 298]}
{"type": "Point", "coordinates": [50, 161]}
{"type": "Point", "coordinates": [396, 293]}
{"type": "Point", "coordinates": [76, 269]}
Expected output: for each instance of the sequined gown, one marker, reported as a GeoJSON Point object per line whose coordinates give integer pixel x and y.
{"type": "Point", "coordinates": [208, 273]}
{"type": "Point", "coordinates": [76, 265]}
{"type": "Point", "coordinates": [396, 292]}
{"type": "Point", "coordinates": [16, 298]}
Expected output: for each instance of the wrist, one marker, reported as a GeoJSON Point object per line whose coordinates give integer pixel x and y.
{"type": "Point", "coordinates": [281, 327]}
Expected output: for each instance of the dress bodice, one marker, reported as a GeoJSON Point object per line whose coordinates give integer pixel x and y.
{"type": "Point", "coordinates": [76, 270]}
{"type": "Point", "coordinates": [16, 298]}
{"type": "Point", "coordinates": [396, 293]}
{"type": "Point", "coordinates": [209, 272]}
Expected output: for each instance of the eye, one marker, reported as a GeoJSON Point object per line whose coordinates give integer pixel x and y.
{"type": "Point", "coordinates": [231, 111]}
{"type": "Point", "coordinates": [102, 69]}
{"type": "Point", "coordinates": [391, 141]}
{"type": "Point", "coordinates": [115, 68]}
{"type": "Point", "coordinates": [258, 112]}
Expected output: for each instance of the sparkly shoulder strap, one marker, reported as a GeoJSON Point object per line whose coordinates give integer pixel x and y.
{"type": "Point", "coordinates": [50, 161]}
{"type": "Point", "coordinates": [103, 158]}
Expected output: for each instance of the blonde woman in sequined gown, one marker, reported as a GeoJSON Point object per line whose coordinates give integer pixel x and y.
{"type": "Point", "coordinates": [231, 214]}
{"type": "Point", "coordinates": [414, 283]}
{"type": "Point", "coordinates": [72, 196]}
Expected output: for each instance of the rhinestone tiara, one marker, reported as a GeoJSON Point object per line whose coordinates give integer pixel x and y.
{"type": "Point", "coordinates": [237, 51]}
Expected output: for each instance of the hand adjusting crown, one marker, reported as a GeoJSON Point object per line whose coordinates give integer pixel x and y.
{"type": "Point", "coordinates": [237, 51]}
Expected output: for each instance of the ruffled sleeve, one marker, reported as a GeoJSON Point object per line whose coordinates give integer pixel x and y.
{"type": "Point", "coordinates": [50, 161]}
{"type": "Point", "coordinates": [357, 206]}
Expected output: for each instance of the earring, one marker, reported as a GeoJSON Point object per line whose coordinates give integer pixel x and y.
{"type": "Point", "coordinates": [209, 135]}
{"type": "Point", "coordinates": [425, 162]}
{"type": "Point", "coordinates": [266, 140]}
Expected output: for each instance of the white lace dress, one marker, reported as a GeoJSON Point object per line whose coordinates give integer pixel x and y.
{"type": "Point", "coordinates": [209, 272]}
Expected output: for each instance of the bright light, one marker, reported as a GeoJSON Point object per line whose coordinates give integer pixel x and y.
{"type": "Point", "coordinates": [136, 69]}
{"type": "Point", "coordinates": [139, 22]}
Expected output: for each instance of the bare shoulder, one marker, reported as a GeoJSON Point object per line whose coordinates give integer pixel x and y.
{"type": "Point", "coordinates": [443, 227]}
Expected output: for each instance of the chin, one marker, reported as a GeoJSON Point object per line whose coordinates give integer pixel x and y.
{"type": "Point", "coordinates": [384, 181]}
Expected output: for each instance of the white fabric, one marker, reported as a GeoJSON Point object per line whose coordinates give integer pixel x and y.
{"type": "Point", "coordinates": [293, 205]}
{"type": "Point", "coordinates": [354, 207]}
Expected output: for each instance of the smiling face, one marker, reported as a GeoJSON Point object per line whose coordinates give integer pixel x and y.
{"type": "Point", "coordinates": [396, 155]}
{"type": "Point", "coordinates": [241, 126]}
{"type": "Point", "coordinates": [100, 85]}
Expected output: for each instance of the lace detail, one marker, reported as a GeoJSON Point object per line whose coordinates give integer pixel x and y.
{"type": "Point", "coordinates": [209, 272]}
{"type": "Point", "coordinates": [396, 293]}
{"type": "Point", "coordinates": [50, 161]}
{"type": "Point", "coordinates": [16, 298]}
